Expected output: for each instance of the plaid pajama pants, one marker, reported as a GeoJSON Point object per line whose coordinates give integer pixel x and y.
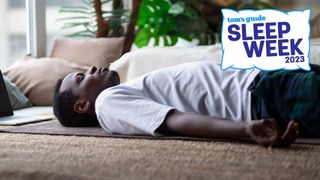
{"type": "Point", "coordinates": [288, 95]}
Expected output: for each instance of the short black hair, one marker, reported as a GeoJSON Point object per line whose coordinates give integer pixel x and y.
{"type": "Point", "coordinates": [63, 103]}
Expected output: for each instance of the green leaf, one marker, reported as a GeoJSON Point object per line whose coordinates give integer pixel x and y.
{"type": "Point", "coordinates": [166, 40]}
{"type": "Point", "coordinates": [157, 19]}
{"type": "Point", "coordinates": [154, 19]}
{"type": "Point", "coordinates": [142, 22]}
{"type": "Point", "coordinates": [155, 8]}
{"type": "Point", "coordinates": [187, 25]}
{"type": "Point", "coordinates": [185, 36]}
{"type": "Point", "coordinates": [116, 11]}
{"type": "Point", "coordinates": [79, 35]}
{"type": "Point", "coordinates": [142, 38]}
{"type": "Point", "coordinates": [191, 13]}
{"type": "Point", "coordinates": [73, 18]}
{"type": "Point", "coordinates": [177, 8]}
{"type": "Point", "coordinates": [73, 11]}
{"type": "Point", "coordinates": [87, 2]}
{"type": "Point", "coordinates": [88, 29]}
{"type": "Point", "coordinates": [174, 39]}
{"type": "Point", "coordinates": [156, 40]}
{"type": "Point", "coordinates": [75, 8]}
{"type": "Point", "coordinates": [71, 25]}
{"type": "Point", "coordinates": [171, 23]}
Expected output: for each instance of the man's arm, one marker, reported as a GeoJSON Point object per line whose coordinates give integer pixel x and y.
{"type": "Point", "coordinates": [265, 132]}
{"type": "Point", "coordinates": [202, 126]}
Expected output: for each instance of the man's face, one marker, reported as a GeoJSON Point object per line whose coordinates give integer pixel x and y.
{"type": "Point", "coordinates": [91, 83]}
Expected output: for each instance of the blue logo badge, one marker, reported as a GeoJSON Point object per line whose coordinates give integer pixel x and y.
{"type": "Point", "coordinates": [265, 39]}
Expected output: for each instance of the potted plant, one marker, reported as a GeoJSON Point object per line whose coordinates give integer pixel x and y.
{"type": "Point", "coordinates": [91, 20]}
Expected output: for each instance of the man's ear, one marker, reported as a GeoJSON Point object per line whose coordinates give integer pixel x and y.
{"type": "Point", "coordinates": [82, 106]}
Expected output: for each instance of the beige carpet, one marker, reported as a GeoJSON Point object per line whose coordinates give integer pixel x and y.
{"type": "Point", "coordinates": [69, 157]}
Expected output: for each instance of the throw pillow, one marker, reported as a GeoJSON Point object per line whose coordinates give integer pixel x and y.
{"type": "Point", "coordinates": [36, 78]}
{"type": "Point", "coordinates": [98, 52]}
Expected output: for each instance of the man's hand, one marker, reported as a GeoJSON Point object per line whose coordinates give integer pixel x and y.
{"type": "Point", "coordinates": [267, 133]}
{"type": "Point", "coordinates": [264, 132]}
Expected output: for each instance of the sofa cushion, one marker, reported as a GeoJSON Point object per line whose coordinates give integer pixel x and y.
{"type": "Point", "coordinates": [36, 78]}
{"type": "Point", "coordinates": [137, 63]}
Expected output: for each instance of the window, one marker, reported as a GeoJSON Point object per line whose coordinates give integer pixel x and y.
{"type": "Point", "coordinates": [52, 15]}
{"type": "Point", "coordinates": [12, 31]}
{"type": "Point", "coordinates": [54, 25]}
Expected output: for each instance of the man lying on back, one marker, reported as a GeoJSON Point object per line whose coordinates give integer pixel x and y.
{"type": "Point", "coordinates": [195, 99]}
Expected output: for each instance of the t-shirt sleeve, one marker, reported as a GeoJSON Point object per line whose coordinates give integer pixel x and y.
{"type": "Point", "coordinates": [125, 110]}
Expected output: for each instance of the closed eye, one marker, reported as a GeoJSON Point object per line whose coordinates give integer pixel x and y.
{"type": "Point", "coordinates": [80, 77]}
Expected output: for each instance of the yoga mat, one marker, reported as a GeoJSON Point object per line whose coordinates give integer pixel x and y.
{"type": "Point", "coordinates": [54, 128]}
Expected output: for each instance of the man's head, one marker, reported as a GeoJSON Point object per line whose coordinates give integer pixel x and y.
{"type": "Point", "coordinates": [75, 96]}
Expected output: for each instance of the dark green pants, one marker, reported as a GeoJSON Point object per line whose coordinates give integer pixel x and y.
{"type": "Point", "coordinates": [289, 95]}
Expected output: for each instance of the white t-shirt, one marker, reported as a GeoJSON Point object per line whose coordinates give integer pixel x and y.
{"type": "Point", "coordinates": [138, 107]}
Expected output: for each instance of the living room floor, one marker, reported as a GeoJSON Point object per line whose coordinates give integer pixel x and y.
{"type": "Point", "coordinates": [26, 156]}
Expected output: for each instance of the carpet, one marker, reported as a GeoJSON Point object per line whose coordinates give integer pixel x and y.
{"type": "Point", "coordinates": [33, 157]}
{"type": "Point", "coordinates": [54, 128]}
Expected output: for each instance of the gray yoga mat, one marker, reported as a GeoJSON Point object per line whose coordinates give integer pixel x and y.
{"type": "Point", "coordinates": [54, 128]}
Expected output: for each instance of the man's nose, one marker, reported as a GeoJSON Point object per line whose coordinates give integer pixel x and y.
{"type": "Point", "coordinates": [92, 69]}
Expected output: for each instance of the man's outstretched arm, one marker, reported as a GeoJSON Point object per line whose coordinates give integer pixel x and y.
{"type": "Point", "coordinates": [264, 132]}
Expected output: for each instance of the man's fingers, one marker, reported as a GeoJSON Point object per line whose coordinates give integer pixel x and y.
{"type": "Point", "coordinates": [296, 126]}
{"type": "Point", "coordinates": [289, 136]}
{"type": "Point", "coordinates": [288, 131]}
{"type": "Point", "coordinates": [268, 133]}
